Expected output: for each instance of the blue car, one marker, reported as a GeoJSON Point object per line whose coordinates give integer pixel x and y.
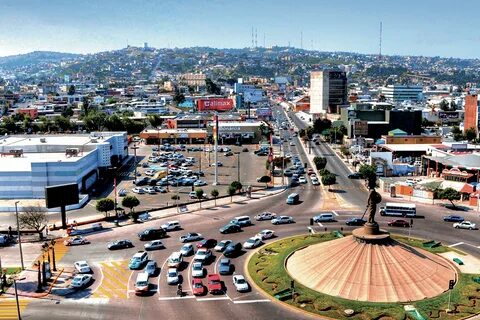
{"type": "Point", "coordinates": [452, 218]}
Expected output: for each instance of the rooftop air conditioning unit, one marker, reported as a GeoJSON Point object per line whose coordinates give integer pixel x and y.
{"type": "Point", "coordinates": [71, 152]}
{"type": "Point", "coordinates": [93, 140]}
{"type": "Point", "coordinates": [43, 140]}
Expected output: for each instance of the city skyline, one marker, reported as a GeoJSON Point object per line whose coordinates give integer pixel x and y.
{"type": "Point", "coordinates": [429, 28]}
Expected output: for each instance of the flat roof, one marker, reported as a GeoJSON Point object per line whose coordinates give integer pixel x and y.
{"type": "Point", "coordinates": [11, 164]}
{"type": "Point", "coordinates": [405, 147]}
{"type": "Point", "coordinates": [187, 130]}
{"type": "Point", "coordinates": [57, 139]}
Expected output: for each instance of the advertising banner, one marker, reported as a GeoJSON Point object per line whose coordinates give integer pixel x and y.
{"type": "Point", "coordinates": [215, 104]}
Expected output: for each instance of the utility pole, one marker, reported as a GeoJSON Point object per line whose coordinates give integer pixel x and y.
{"type": "Point", "coordinates": [238, 166]}
{"type": "Point", "coordinates": [18, 234]}
{"type": "Point", "coordinates": [215, 146]}
{"type": "Point", "coordinates": [19, 317]}
{"type": "Point", "coordinates": [134, 148]}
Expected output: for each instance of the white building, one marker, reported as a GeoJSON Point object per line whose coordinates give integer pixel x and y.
{"type": "Point", "coordinates": [30, 163]}
{"type": "Point", "coordinates": [398, 93]}
{"type": "Point", "coordinates": [328, 91]}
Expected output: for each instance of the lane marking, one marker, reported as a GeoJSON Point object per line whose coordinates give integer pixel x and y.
{"type": "Point", "coordinates": [213, 299]}
{"type": "Point", "coordinates": [128, 283]}
{"type": "Point", "coordinates": [320, 225]}
{"type": "Point", "coordinates": [175, 298]}
{"type": "Point", "coordinates": [91, 300]}
{"type": "Point", "coordinates": [251, 301]}
{"type": "Point", "coordinates": [160, 274]}
{"type": "Point", "coordinates": [335, 212]}
{"type": "Point", "coordinates": [456, 244]}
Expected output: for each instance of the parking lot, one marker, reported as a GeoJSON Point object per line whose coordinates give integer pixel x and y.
{"type": "Point", "coordinates": [238, 164]}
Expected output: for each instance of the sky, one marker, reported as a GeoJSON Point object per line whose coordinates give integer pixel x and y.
{"type": "Point", "coordinates": [410, 27]}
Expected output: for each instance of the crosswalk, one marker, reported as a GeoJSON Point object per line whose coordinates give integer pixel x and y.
{"type": "Point", "coordinates": [114, 282]}
{"type": "Point", "coordinates": [8, 308]}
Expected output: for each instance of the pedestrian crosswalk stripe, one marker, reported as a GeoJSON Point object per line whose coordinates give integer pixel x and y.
{"type": "Point", "coordinates": [8, 308]}
{"type": "Point", "coordinates": [115, 280]}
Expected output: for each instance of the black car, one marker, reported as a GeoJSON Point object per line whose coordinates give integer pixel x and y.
{"type": "Point", "coordinates": [120, 244]}
{"type": "Point", "coordinates": [355, 175]}
{"type": "Point", "coordinates": [152, 234]}
{"type": "Point", "coordinates": [262, 153]}
{"type": "Point", "coordinates": [355, 222]}
{"type": "Point", "coordinates": [453, 218]}
{"type": "Point", "coordinates": [207, 243]}
{"type": "Point", "coordinates": [260, 150]}
{"type": "Point", "coordinates": [199, 173]}
{"type": "Point", "coordinates": [232, 249]}
{"type": "Point", "coordinates": [230, 228]}
{"type": "Point", "coordinates": [142, 181]}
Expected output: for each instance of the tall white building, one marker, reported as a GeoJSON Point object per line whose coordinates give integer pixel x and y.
{"type": "Point", "coordinates": [328, 91]}
{"type": "Point", "coordinates": [398, 93]}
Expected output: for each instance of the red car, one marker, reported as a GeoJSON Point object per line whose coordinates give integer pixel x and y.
{"type": "Point", "coordinates": [399, 223]}
{"type": "Point", "coordinates": [310, 171]}
{"type": "Point", "coordinates": [214, 284]}
{"type": "Point", "coordinates": [207, 243]}
{"type": "Point", "coordinates": [198, 287]}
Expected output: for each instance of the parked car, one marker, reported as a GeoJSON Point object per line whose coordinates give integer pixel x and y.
{"type": "Point", "coordinates": [81, 280]}
{"type": "Point", "coordinates": [266, 234]}
{"type": "Point", "coordinates": [151, 268]}
{"type": "Point", "coordinates": [171, 225]}
{"type": "Point", "coordinates": [302, 179]}
{"type": "Point", "coordinates": [82, 267]}
{"type": "Point", "coordinates": [252, 243]}
{"type": "Point", "coordinates": [399, 223]}
{"type": "Point", "coordinates": [355, 175]}
{"type": "Point", "coordinates": [464, 225]}
{"type": "Point", "coordinates": [119, 244]}
{"type": "Point", "coordinates": [152, 234]}
{"type": "Point", "coordinates": [218, 164]}
{"type": "Point", "coordinates": [225, 266]}
{"type": "Point", "coordinates": [138, 260]}
{"type": "Point", "coordinates": [355, 222]}
{"type": "Point", "coordinates": [202, 255]}
{"type": "Point", "coordinates": [453, 218]}
{"type": "Point", "coordinates": [228, 154]}
{"type": "Point", "coordinates": [187, 249]}
{"type": "Point", "coordinates": [122, 193]}
{"type": "Point", "coordinates": [240, 283]}
{"type": "Point", "coordinates": [192, 236]}
{"type": "Point", "coordinates": [75, 241]}
{"type": "Point", "coordinates": [207, 243]}
{"type": "Point", "coordinates": [214, 284]}
{"type": "Point", "coordinates": [154, 245]}
{"type": "Point", "coordinates": [150, 190]}
{"type": "Point", "coordinates": [172, 276]}
{"type": "Point", "coordinates": [282, 220]}
{"type": "Point", "coordinates": [197, 269]}
{"type": "Point", "coordinates": [138, 190]}
{"type": "Point", "coordinates": [222, 245]}
{"type": "Point", "coordinates": [230, 228]}
{"type": "Point", "coordinates": [265, 216]}
{"type": "Point", "coordinates": [198, 289]}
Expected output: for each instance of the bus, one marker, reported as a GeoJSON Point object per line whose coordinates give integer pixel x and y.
{"type": "Point", "coordinates": [398, 209]}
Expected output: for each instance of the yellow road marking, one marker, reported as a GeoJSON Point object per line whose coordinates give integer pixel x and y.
{"type": "Point", "coordinates": [8, 308]}
{"type": "Point", "coordinates": [115, 280]}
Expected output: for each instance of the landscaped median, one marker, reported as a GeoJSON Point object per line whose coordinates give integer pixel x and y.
{"type": "Point", "coordinates": [267, 269]}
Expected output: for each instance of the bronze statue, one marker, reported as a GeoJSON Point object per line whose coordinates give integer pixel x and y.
{"type": "Point", "coordinates": [374, 198]}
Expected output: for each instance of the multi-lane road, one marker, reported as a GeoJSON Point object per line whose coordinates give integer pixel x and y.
{"type": "Point", "coordinates": [111, 295]}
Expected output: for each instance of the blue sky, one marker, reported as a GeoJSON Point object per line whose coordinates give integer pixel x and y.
{"type": "Point", "coordinates": [410, 27]}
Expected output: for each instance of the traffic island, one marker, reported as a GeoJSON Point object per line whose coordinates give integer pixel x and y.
{"type": "Point", "coordinates": [267, 268]}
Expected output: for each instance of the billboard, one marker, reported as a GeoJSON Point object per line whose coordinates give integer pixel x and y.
{"type": "Point", "coordinates": [61, 195]}
{"type": "Point", "coordinates": [264, 112]}
{"type": "Point", "coordinates": [215, 104]}
{"type": "Point", "coordinates": [447, 116]}
{"type": "Point", "coordinates": [360, 128]}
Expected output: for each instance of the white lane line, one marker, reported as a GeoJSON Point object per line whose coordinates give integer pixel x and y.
{"type": "Point", "coordinates": [175, 298]}
{"type": "Point", "coordinates": [160, 274]}
{"type": "Point", "coordinates": [101, 279]}
{"type": "Point", "coordinates": [251, 301]}
{"type": "Point", "coordinates": [320, 225]}
{"type": "Point", "coordinates": [91, 300]}
{"type": "Point", "coordinates": [189, 275]}
{"type": "Point", "coordinates": [335, 212]}
{"type": "Point", "coordinates": [455, 244]}
{"type": "Point", "coordinates": [213, 299]}
{"type": "Point", "coordinates": [128, 284]}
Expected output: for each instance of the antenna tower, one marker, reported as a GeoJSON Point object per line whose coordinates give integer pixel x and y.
{"type": "Point", "coordinates": [256, 44]}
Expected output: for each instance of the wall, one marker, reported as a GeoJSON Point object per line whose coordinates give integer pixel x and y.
{"type": "Point", "coordinates": [471, 112]}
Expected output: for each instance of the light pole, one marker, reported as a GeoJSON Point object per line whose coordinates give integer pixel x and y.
{"type": "Point", "coordinates": [18, 234]}
{"type": "Point", "coordinates": [238, 165]}
{"type": "Point", "coordinates": [19, 317]}
{"type": "Point", "coordinates": [134, 148]}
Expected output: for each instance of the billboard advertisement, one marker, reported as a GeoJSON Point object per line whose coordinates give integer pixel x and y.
{"type": "Point", "coordinates": [215, 104]}
{"type": "Point", "coordinates": [61, 195]}
{"type": "Point", "coordinates": [264, 112]}
{"type": "Point", "coordinates": [447, 116]}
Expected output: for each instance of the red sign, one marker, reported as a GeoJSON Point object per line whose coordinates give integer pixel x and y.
{"type": "Point", "coordinates": [215, 104]}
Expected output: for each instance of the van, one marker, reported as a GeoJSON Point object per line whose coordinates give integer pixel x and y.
{"type": "Point", "coordinates": [175, 259]}
{"type": "Point", "coordinates": [171, 225]}
{"type": "Point", "coordinates": [324, 217]}
{"type": "Point", "coordinates": [293, 198]}
{"type": "Point", "coordinates": [142, 285]}
{"type": "Point", "coordinates": [242, 221]}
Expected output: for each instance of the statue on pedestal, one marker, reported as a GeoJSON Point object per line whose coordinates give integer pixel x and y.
{"type": "Point", "coordinates": [374, 198]}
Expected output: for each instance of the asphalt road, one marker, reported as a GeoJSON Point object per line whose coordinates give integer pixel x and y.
{"type": "Point", "coordinates": [110, 296]}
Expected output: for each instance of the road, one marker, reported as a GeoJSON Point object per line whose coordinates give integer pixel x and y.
{"type": "Point", "coordinates": [111, 296]}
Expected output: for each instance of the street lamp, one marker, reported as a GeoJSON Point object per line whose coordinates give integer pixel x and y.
{"type": "Point", "coordinates": [134, 148]}
{"type": "Point", "coordinates": [18, 234]}
{"type": "Point", "coordinates": [19, 317]}
{"type": "Point", "coordinates": [238, 165]}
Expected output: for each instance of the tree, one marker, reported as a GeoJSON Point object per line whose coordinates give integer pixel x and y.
{"type": "Point", "coordinates": [214, 193]}
{"type": "Point", "coordinates": [321, 125]}
{"type": "Point", "coordinates": [237, 185]}
{"type": "Point", "coordinates": [323, 172]}
{"type": "Point", "coordinates": [33, 217]}
{"type": "Point", "coordinates": [449, 194]}
{"type": "Point", "coordinates": [155, 120]}
{"type": "Point", "coordinates": [310, 132]}
{"type": "Point", "coordinates": [178, 98]}
{"type": "Point", "coordinates": [114, 123]}
{"type": "Point", "coordinates": [265, 130]}
{"type": "Point", "coordinates": [345, 151]}
{"type": "Point", "coordinates": [277, 162]}
{"type": "Point", "coordinates": [265, 179]}
{"type": "Point", "coordinates": [131, 202]}
{"type": "Point", "coordinates": [320, 162]}
{"type": "Point", "coordinates": [369, 173]}
{"type": "Point", "coordinates": [444, 105]}
{"type": "Point", "coordinates": [231, 192]}
{"type": "Point", "coordinates": [302, 133]}
{"type": "Point", "coordinates": [457, 133]}
{"type": "Point", "coordinates": [105, 205]}
{"type": "Point", "coordinates": [71, 90]}
{"type": "Point", "coordinates": [68, 112]}
{"type": "Point", "coordinates": [328, 180]}
{"type": "Point", "coordinates": [199, 194]}
{"type": "Point", "coordinates": [63, 123]}
{"type": "Point", "coordinates": [470, 134]}
{"type": "Point", "coordinates": [95, 121]}
{"type": "Point", "coordinates": [212, 87]}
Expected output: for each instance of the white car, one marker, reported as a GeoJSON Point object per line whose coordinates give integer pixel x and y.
{"type": "Point", "coordinates": [199, 183]}
{"type": "Point", "coordinates": [218, 164]}
{"type": "Point", "coordinates": [172, 276]}
{"type": "Point", "coordinates": [292, 143]}
{"type": "Point", "coordinates": [192, 236]}
{"type": "Point", "coordinates": [464, 225]}
{"type": "Point", "coordinates": [253, 242]}
{"type": "Point", "coordinates": [81, 280]}
{"type": "Point", "coordinates": [77, 240]}
{"type": "Point", "coordinates": [187, 249]}
{"type": "Point", "coordinates": [282, 220]}
{"type": "Point", "coordinates": [82, 267]}
{"type": "Point", "coordinates": [122, 193]}
{"type": "Point", "coordinates": [266, 234]}
{"type": "Point", "coordinates": [240, 283]}
{"type": "Point", "coordinates": [302, 179]}
{"type": "Point", "coordinates": [150, 190]}
{"type": "Point", "coordinates": [154, 245]}
{"type": "Point", "coordinates": [265, 216]}
{"type": "Point", "coordinates": [202, 254]}
{"type": "Point", "coordinates": [150, 172]}
{"type": "Point", "coordinates": [315, 182]}
{"type": "Point", "coordinates": [138, 190]}
{"type": "Point", "coordinates": [197, 270]}
{"type": "Point", "coordinates": [222, 245]}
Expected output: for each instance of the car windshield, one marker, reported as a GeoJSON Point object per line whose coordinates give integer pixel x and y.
{"type": "Point", "coordinates": [251, 240]}
{"type": "Point", "coordinates": [201, 253]}
{"type": "Point", "coordinates": [197, 266]}
{"type": "Point", "coordinates": [224, 263]}
{"type": "Point", "coordinates": [240, 281]}
{"type": "Point", "coordinates": [214, 281]}
{"type": "Point", "coordinates": [172, 274]}
{"type": "Point", "coordinates": [197, 285]}
{"type": "Point", "coordinates": [141, 283]}
{"type": "Point", "coordinates": [83, 265]}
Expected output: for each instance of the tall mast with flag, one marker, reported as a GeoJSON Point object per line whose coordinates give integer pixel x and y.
{"type": "Point", "coordinates": [215, 147]}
